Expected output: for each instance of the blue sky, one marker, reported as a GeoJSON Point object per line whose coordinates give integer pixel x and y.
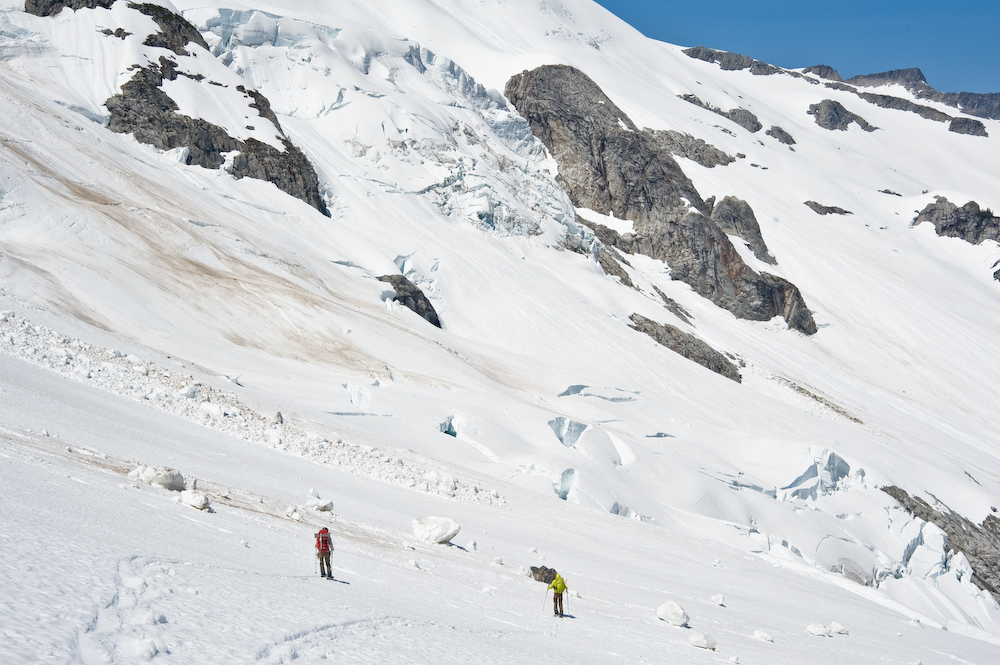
{"type": "Point", "coordinates": [955, 43]}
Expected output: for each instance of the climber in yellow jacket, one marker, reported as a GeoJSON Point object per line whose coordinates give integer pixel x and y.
{"type": "Point", "coordinates": [558, 586]}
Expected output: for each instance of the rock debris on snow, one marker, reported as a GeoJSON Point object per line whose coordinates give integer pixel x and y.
{"type": "Point", "coordinates": [177, 394]}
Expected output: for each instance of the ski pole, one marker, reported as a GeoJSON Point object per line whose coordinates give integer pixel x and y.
{"type": "Point", "coordinates": [545, 599]}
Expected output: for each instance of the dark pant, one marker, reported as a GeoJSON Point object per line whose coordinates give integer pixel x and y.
{"type": "Point", "coordinates": [557, 603]}
{"type": "Point", "coordinates": [324, 564]}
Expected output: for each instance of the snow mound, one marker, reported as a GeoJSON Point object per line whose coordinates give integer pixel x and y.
{"type": "Point", "coordinates": [838, 628]}
{"type": "Point", "coordinates": [855, 562]}
{"type": "Point", "coordinates": [702, 641]}
{"type": "Point", "coordinates": [195, 499]}
{"type": "Point", "coordinates": [762, 636]}
{"type": "Point", "coordinates": [672, 613]}
{"type": "Point", "coordinates": [159, 476]}
{"type": "Point", "coordinates": [435, 529]}
{"type": "Point", "coordinates": [818, 629]}
{"type": "Point", "coordinates": [314, 502]}
{"type": "Point", "coordinates": [719, 599]}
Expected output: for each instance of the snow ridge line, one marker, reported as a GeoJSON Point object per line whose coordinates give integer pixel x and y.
{"type": "Point", "coordinates": [182, 396]}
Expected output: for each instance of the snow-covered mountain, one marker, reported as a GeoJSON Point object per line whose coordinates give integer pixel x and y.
{"type": "Point", "coordinates": [673, 321]}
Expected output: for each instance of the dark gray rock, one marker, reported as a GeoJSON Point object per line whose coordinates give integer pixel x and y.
{"type": "Point", "coordinates": [781, 135]}
{"type": "Point", "coordinates": [608, 166]}
{"type": "Point", "coordinates": [827, 210]}
{"type": "Point", "coordinates": [613, 267]}
{"type": "Point", "coordinates": [832, 115]}
{"type": "Point", "coordinates": [411, 297]}
{"type": "Point", "coordinates": [148, 113]}
{"type": "Point", "coordinates": [117, 32]}
{"type": "Point", "coordinates": [824, 72]}
{"type": "Point", "coordinates": [686, 345]}
{"type": "Point", "coordinates": [958, 125]}
{"type": "Point", "coordinates": [674, 307]}
{"type": "Point", "coordinates": [967, 222]}
{"type": "Point", "coordinates": [53, 7]}
{"type": "Point", "coordinates": [967, 126]}
{"type": "Point", "coordinates": [911, 79]}
{"type": "Point", "coordinates": [175, 31]}
{"type": "Point", "coordinates": [740, 116]}
{"type": "Point", "coordinates": [889, 192]}
{"type": "Point", "coordinates": [543, 574]}
{"type": "Point", "coordinates": [979, 542]}
{"type": "Point", "coordinates": [735, 217]}
{"type": "Point", "coordinates": [732, 61]}
{"type": "Point", "coordinates": [981, 104]}
{"type": "Point", "coordinates": [689, 147]}
{"type": "Point", "coordinates": [898, 103]}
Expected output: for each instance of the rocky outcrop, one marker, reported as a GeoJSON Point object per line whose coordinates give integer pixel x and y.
{"type": "Point", "coordinates": [967, 222]}
{"type": "Point", "coordinates": [735, 217]}
{"type": "Point", "coordinates": [967, 126]}
{"type": "Point", "coordinates": [689, 147]}
{"type": "Point", "coordinates": [979, 542]}
{"type": "Point", "coordinates": [410, 296]}
{"type": "Point", "coordinates": [732, 61]}
{"type": "Point", "coordinates": [981, 104]}
{"type": "Point", "coordinates": [611, 266]}
{"type": "Point", "coordinates": [53, 7]}
{"type": "Point", "coordinates": [898, 103]}
{"type": "Point", "coordinates": [686, 345]}
{"type": "Point", "coordinates": [827, 210]}
{"type": "Point", "coordinates": [832, 115]}
{"type": "Point", "coordinates": [607, 165]}
{"type": "Point", "coordinates": [150, 115]}
{"type": "Point", "coordinates": [144, 110]}
{"type": "Point", "coordinates": [740, 116]}
{"type": "Point", "coordinates": [543, 574]}
{"type": "Point", "coordinates": [175, 32]}
{"type": "Point", "coordinates": [912, 79]}
{"type": "Point", "coordinates": [674, 307]}
{"type": "Point", "coordinates": [824, 72]}
{"type": "Point", "coordinates": [958, 125]}
{"type": "Point", "coordinates": [781, 135]}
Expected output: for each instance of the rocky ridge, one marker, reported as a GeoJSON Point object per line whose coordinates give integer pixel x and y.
{"type": "Point", "coordinates": [979, 542]}
{"type": "Point", "coordinates": [410, 296]}
{"type": "Point", "coordinates": [686, 345]}
{"type": "Point", "coordinates": [982, 104]}
{"type": "Point", "coordinates": [820, 209]}
{"type": "Point", "coordinates": [832, 115]}
{"type": "Point", "coordinates": [144, 110]}
{"type": "Point", "coordinates": [608, 165]}
{"type": "Point", "coordinates": [967, 222]}
{"type": "Point", "coordinates": [689, 147]}
{"type": "Point", "coordinates": [733, 61]}
{"type": "Point", "coordinates": [745, 119]}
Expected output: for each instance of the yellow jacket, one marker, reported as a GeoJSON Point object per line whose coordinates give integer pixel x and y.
{"type": "Point", "coordinates": [558, 584]}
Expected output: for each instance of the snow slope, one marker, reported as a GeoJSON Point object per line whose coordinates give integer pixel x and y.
{"type": "Point", "coordinates": [535, 389]}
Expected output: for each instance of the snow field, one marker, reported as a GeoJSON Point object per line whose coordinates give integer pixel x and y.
{"type": "Point", "coordinates": [109, 569]}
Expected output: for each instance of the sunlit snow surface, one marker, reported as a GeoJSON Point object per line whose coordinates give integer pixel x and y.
{"type": "Point", "coordinates": [534, 390]}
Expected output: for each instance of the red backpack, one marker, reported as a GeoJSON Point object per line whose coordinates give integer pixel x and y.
{"type": "Point", "coordinates": [323, 543]}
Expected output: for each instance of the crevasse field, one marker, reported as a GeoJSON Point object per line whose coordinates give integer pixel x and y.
{"type": "Point", "coordinates": [156, 314]}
